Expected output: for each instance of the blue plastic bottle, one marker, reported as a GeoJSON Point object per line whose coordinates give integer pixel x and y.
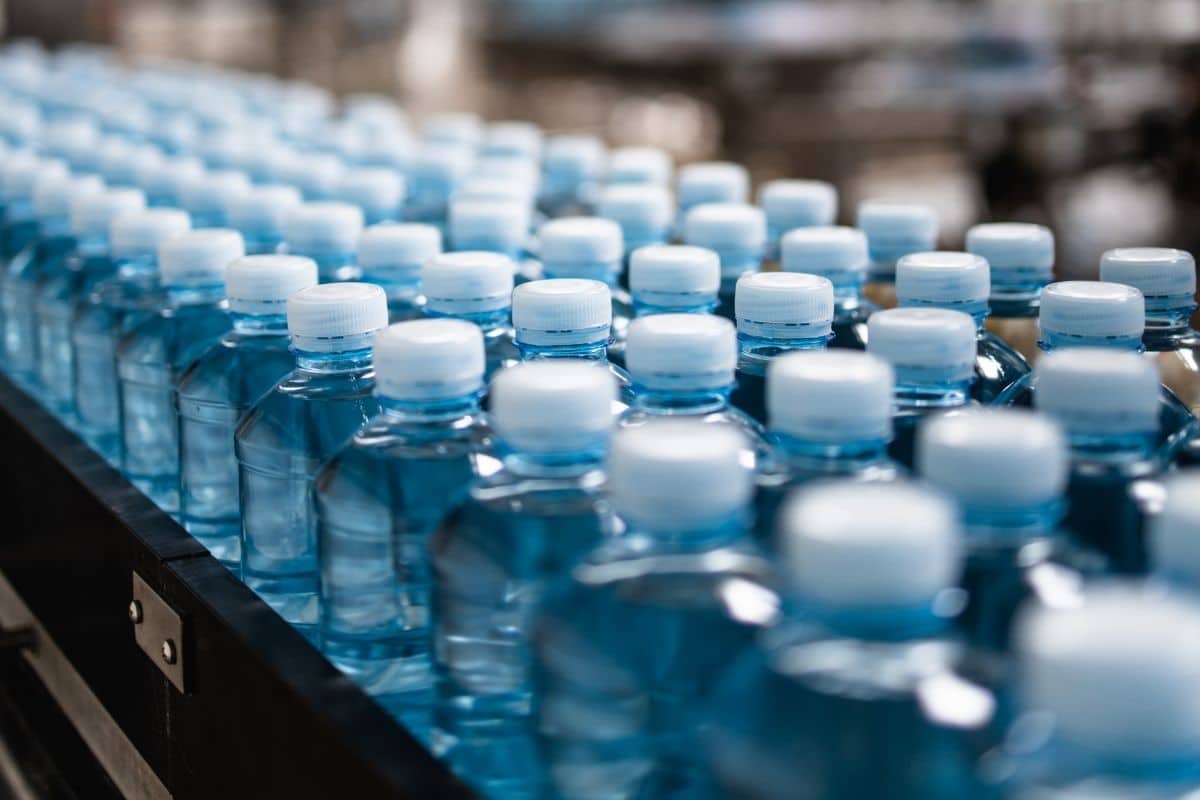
{"type": "Point", "coordinates": [893, 230]}
{"type": "Point", "coordinates": [571, 170]}
{"type": "Point", "coordinates": [738, 234]}
{"type": "Point", "coordinates": [476, 287]}
{"type": "Point", "coordinates": [114, 307]}
{"type": "Point", "coordinates": [1021, 257]}
{"type": "Point", "coordinates": [711, 182]}
{"type": "Point", "coordinates": [222, 384]}
{"type": "Point", "coordinates": [839, 254]}
{"type": "Point", "coordinates": [20, 228]}
{"type": "Point", "coordinates": [259, 214]}
{"type": "Point", "coordinates": [379, 499]}
{"type": "Point", "coordinates": [163, 180]}
{"type": "Point", "coordinates": [493, 226]}
{"type": "Point", "coordinates": [855, 692]}
{"type": "Point", "coordinates": [64, 293]}
{"type": "Point", "coordinates": [645, 213]}
{"type": "Point", "coordinates": [437, 172]}
{"type": "Point", "coordinates": [829, 416]}
{"type": "Point", "coordinates": [391, 256]}
{"type": "Point", "coordinates": [327, 233]}
{"type": "Point", "coordinates": [378, 191]}
{"type": "Point", "coordinates": [512, 139]}
{"type": "Point", "coordinates": [790, 204]}
{"type": "Point", "coordinates": [293, 429]}
{"type": "Point", "coordinates": [72, 140]}
{"type": "Point", "coordinates": [777, 312]}
{"type": "Point", "coordinates": [1174, 550]}
{"type": "Point", "coordinates": [316, 175]}
{"type": "Point", "coordinates": [459, 128]}
{"type": "Point", "coordinates": [121, 161]}
{"type": "Point", "coordinates": [639, 166]}
{"type": "Point", "coordinates": [932, 352]}
{"type": "Point", "coordinates": [961, 282]}
{"type": "Point", "coordinates": [494, 555]}
{"type": "Point", "coordinates": [590, 248]}
{"type": "Point", "coordinates": [674, 279]}
{"type": "Point", "coordinates": [207, 196]}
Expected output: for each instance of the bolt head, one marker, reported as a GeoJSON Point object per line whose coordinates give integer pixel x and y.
{"type": "Point", "coordinates": [135, 612]}
{"type": "Point", "coordinates": [168, 651]}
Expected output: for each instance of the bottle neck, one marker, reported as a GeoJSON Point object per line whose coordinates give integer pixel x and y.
{"type": "Point", "coordinates": [755, 352]}
{"type": "Point", "coordinates": [646, 308]}
{"type": "Point", "coordinates": [488, 321]}
{"type": "Point", "coordinates": [847, 296]}
{"type": "Point", "coordinates": [914, 392]}
{"type": "Point", "coordinates": [694, 538]}
{"type": "Point", "coordinates": [607, 272]}
{"type": "Point", "coordinates": [1052, 340]}
{"type": "Point", "coordinates": [568, 464]}
{"type": "Point", "coordinates": [988, 525]}
{"type": "Point", "coordinates": [805, 455]}
{"type": "Point", "coordinates": [1165, 327]}
{"type": "Point", "coordinates": [258, 244]}
{"type": "Point", "coordinates": [685, 402]}
{"type": "Point", "coordinates": [975, 309]}
{"type": "Point", "coordinates": [877, 622]}
{"type": "Point", "coordinates": [1111, 448]}
{"type": "Point", "coordinates": [260, 324]}
{"type": "Point", "coordinates": [446, 409]}
{"type": "Point", "coordinates": [396, 284]}
{"type": "Point", "coordinates": [344, 361]}
{"type": "Point", "coordinates": [1016, 295]}
{"type": "Point", "coordinates": [587, 351]}
{"type": "Point", "coordinates": [179, 296]}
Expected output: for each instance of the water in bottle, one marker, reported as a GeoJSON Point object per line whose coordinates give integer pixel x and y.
{"type": "Point", "coordinates": [328, 233]}
{"type": "Point", "coordinates": [893, 230]}
{"type": "Point", "coordinates": [316, 175]}
{"type": "Point", "coordinates": [711, 182]}
{"type": "Point", "coordinates": [222, 384]}
{"type": "Point", "coordinates": [207, 196]}
{"type": "Point", "coordinates": [476, 287]}
{"type": "Point", "coordinates": [639, 166]}
{"type": "Point", "coordinates": [437, 172]}
{"type": "Point", "coordinates": [1021, 257]}
{"type": "Point", "coordinates": [492, 558]}
{"type": "Point", "coordinates": [391, 255]}
{"type": "Point", "coordinates": [790, 204]}
{"type": "Point", "coordinates": [839, 254]}
{"type": "Point", "coordinates": [571, 170]}
{"type": "Point", "coordinates": [379, 499]}
{"type": "Point", "coordinates": [378, 191]}
{"type": "Point", "coordinates": [738, 234]}
{"type": "Point", "coordinates": [493, 226]}
{"type": "Point", "coordinates": [163, 180]}
{"type": "Point", "coordinates": [259, 214]}
{"type": "Point", "coordinates": [590, 248]}
{"type": "Point", "coordinates": [458, 128]}
{"type": "Point", "coordinates": [20, 227]}
{"type": "Point", "coordinates": [293, 429]}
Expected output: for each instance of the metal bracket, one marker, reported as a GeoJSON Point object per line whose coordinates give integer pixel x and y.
{"type": "Point", "coordinates": [159, 632]}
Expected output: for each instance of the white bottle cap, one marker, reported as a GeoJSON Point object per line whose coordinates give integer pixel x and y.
{"type": "Point", "coordinates": [958, 281]}
{"type": "Point", "coordinates": [834, 396]}
{"type": "Point", "coordinates": [378, 191]}
{"type": "Point", "coordinates": [315, 229]}
{"type": "Point", "coordinates": [92, 214]}
{"type": "Point", "coordinates": [53, 192]}
{"type": "Point", "coordinates": [488, 225]}
{"type": "Point", "coordinates": [1117, 674]}
{"type": "Point", "coordinates": [791, 204]}
{"type": "Point", "coordinates": [1014, 249]}
{"type": "Point", "coordinates": [456, 128]}
{"type": "Point", "coordinates": [441, 165]}
{"type": "Point", "coordinates": [1175, 530]}
{"type": "Point", "coordinates": [678, 475]}
{"type": "Point", "coordinates": [497, 189]}
{"type": "Point", "coordinates": [138, 234]}
{"type": "Point", "coordinates": [467, 283]}
{"type": "Point", "coordinates": [838, 253]}
{"type": "Point", "coordinates": [335, 317]}
{"type": "Point", "coordinates": [581, 247]}
{"type": "Point", "coordinates": [674, 275]}
{"type": "Point", "coordinates": [121, 162]}
{"type": "Point", "coordinates": [316, 175]}
{"type": "Point", "coordinates": [924, 345]}
{"type": "Point", "coordinates": [199, 257]}
{"type": "Point", "coordinates": [887, 222]}
{"type": "Point", "coordinates": [996, 458]}
{"type": "Point", "coordinates": [639, 165]}
{"type": "Point", "coordinates": [73, 140]}
{"type": "Point", "coordinates": [429, 359]}
{"type": "Point", "coordinates": [261, 285]}
{"type": "Point", "coordinates": [19, 174]}
{"type": "Point", "coordinates": [573, 158]}
{"type": "Point", "coordinates": [1092, 309]}
{"type": "Point", "coordinates": [680, 352]}
{"type": "Point", "coordinates": [165, 179]}
{"type": "Point", "coordinates": [556, 406]}
{"type": "Point", "coordinates": [869, 544]}
{"type": "Point", "coordinates": [1166, 277]}
{"type": "Point", "coordinates": [644, 211]}
{"type": "Point", "coordinates": [1098, 391]}
{"type": "Point", "coordinates": [712, 182]}
{"type": "Point", "coordinates": [261, 210]}
{"type": "Point", "coordinates": [561, 311]}
{"type": "Point", "coordinates": [396, 251]}
{"type": "Point", "coordinates": [210, 192]}
{"type": "Point", "coordinates": [784, 305]}
{"type": "Point", "coordinates": [512, 138]}
{"type": "Point", "coordinates": [725, 227]}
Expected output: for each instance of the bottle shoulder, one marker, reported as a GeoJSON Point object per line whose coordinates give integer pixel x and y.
{"type": "Point", "coordinates": [173, 337]}
{"type": "Point", "coordinates": [230, 372]}
{"type": "Point", "coordinates": [299, 418]}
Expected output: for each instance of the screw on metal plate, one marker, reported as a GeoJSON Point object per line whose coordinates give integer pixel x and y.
{"type": "Point", "coordinates": [168, 651]}
{"type": "Point", "coordinates": [135, 612]}
{"type": "Point", "coordinates": [159, 632]}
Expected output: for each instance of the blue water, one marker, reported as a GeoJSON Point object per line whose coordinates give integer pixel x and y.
{"type": "Point", "coordinates": [378, 501]}
{"type": "Point", "coordinates": [997, 367]}
{"type": "Point", "coordinates": [26, 273]}
{"type": "Point", "coordinates": [850, 327]}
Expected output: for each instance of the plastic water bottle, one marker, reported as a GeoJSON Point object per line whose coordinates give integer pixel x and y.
{"type": "Point", "coordinates": [790, 204]}
{"type": "Point", "coordinates": [711, 182]}
{"type": "Point", "coordinates": [571, 170]}
{"type": "Point", "coordinates": [207, 196]}
{"type": "Point", "coordinates": [328, 233]}
{"type": "Point", "coordinates": [639, 166]}
{"type": "Point", "coordinates": [458, 128]}
{"type": "Point", "coordinates": [379, 499]}
{"type": "Point", "coordinates": [738, 234]}
{"type": "Point", "coordinates": [316, 175]}
{"type": "Point", "coordinates": [777, 312]}
{"type": "Point", "coordinates": [64, 292]}
{"type": "Point", "coordinates": [121, 161]}
{"type": "Point", "coordinates": [961, 282]}
{"type": "Point", "coordinates": [589, 248]}
{"type": "Point", "coordinates": [512, 139]}
{"type": "Point", "coordinates": [20, 227]}
{"type": "Point", "coordinates": [378, 191]}
{"type": "Point", "coordinates": [221, 385]}
{"type": "Point", "coordinates": [1108, 691]}
{"type": "Point", "coordinates": [839, 254]}
{"type": "Point", "coordinates": [293, 429]}
{"type": "Point", "coordinates": [863, 655]}
{"type": "Point", "coordinates": [72, 140]}
{"type": "Point", "coordinates": [645, 213]}
{"type": "Point", "coordinates": [893, 231]}
{"type": "Point", "coordinates": [829, 415]}
{"type": "Point", "coordinates": [630, 648]}
{"type": "Point", "coordinates": [163, 180]}
{"type": "Point", "coordinates": [932, 352]}
{"type": "Point", "coordinates": [437, 172]}
{"type": "Point", "coordinates": [518, 529]}
{"type": "Point", "coordinates": [1108, 403]}
{"type": "Point", "coordinates": [391, 256]}
{"type": "Point", "coordinates": [1021, 257]}
{"type": "Point", "coordinates": [115, 307]}
{"type": "Point", "coordinates": [478, 288]}
{"type": "Point", "coordinates": [259, 214]}
{"type": "Point", "coordinates": [674, 279]}
{"type": "Point", "coordinates": [567, 318]}
{"type": "Point", "coordinates": [1175, 555]}
{"type": "Point", "coordinates": [493, 226]}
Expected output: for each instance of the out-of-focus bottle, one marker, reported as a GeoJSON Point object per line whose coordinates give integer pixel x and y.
{"type": "Point", "coordinates": [437, 172]}
{"type": "Point", "coordinates": [589, 248]}
{"type": "Point", "coordinates": [476, 287]}
{"type": "Point", "coordinates": [378, 191]}
{"type": "Point", "coordinates": [839, 254]}
{"type": "Point", "coordinates": [391, 255]}
{"type": "Point", "coordinates": [328, 233]}
{"type": "Point", "coordinates": [259, 214]}
{"type": "Point", "coordinates": [639, 166]}
{"type": "Point", "coordinates": [206, 197]}
{"type": "Point", "coordinates": [1021, 256]}
{"type": "Point", "coordinates": [572, 167]}
{"type": "Point", "coordinates": [893, 231]}
{"type": "Point", "coordinates": [1174, 547]}
{"type": "Point", "coordinates": [791, 204]}
{"type": "Point", "coordinates": [493, 226]}
{"type": "Point", "coordinates": [645, 213]}
{"type": "Point", "coordinates": [711, 182]}
{"type": "Point", "coordinates": [738, 234]}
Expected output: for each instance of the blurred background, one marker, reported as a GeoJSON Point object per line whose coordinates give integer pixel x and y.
{"type": "Point", "coordinates": [1081, 114]}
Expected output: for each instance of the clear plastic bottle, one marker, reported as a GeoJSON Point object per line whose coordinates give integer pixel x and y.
{"type": "Point", "coordinates": [893, 231]}
{"type": "Point", "coordinates": [493, 226]}
{"type": "Point", "coordinates": [839, 254]}
{"type": "Point", "coordinates": [777, 312]}
{"type": "Point", "coordinates": [1021, 256]}
{"type": "Point", "coordinates": [121, 161]}
{"type": "Point", "coordinates": [932, 352]}
{"type": "Point", "coordinates": [328, 233]}
{"type": "Point", "coordinates": [738, 234]}
{"type": "Point", "coordinates": [378, 191]}
{"type": "Point", "coordinates": [645, 213]}
{"type": "Point", "coordinates": [476, 287]}
{"type": "Point", "coordinates": [962, 282]}
{"type": "Point", "coordinates": [459, 128]}
{"type": "Point", "coordinates": [492, 558]}
{"type": "Point", "coordinates": [631, 646]}
{"type": "Point", "coordinates": [391, 255]}
{"type": "Point", "coordinates": [163, 181]}
{"type": "Point", "coordinates": [222, 384]}
{"type": "Point", "coordinates": [1174, 547]}
{"type": "Point", "coordinates": [259, 214]}
{"type": "Point", "coordinates": [711, 182]}
{"type": "Point", "coordinates": [114, 307]}
{"type": "Point", "coordinates": [437, 172]}
{"type": "Point", "coordinates": [512, 139]}
{"type": "Point", "coordinates": [855, 692]}
{"type": "Point", "coordinates": [589, 248]}
{"type": "Point", "coordinates": [380, 498]}
{"type": "Point", "coordinates": [791, 204]}
{"type": "Point", "coordinates": [639, 166]}
{"type": "Point", "coordinates": [207, 196]}
{"type": "Point", "coordinates": [571, 171]}
{"type": "Point", "coordinates": [293, 429]}
{"type": "Point", "coordinates": [829, 415]}
{"type": "Point", "coordinates": [19, 229]}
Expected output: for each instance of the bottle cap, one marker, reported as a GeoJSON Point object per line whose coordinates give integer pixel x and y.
{"type": "Point", "coordinates": [1098, 391]}
{"type": "Point", "coordinates": [994, 458]}
{"type": "Point", "coordinates": [581, 247]}
{"type": "Point", "coordinates": [261, 210]}
{"type": "Point", "coordinates": [561, 311]}
{"type": "Point", "coordinates": [209, 193]}
{"type": "Point", "coordinates": [791, 204]}
{"type": "Point", "coordinates": [164, 180]}
{"type": "Point", "coordinates": [92, 214]}
{"type": "Point", "coordinates": [712, 182]}
{"type": "Point", "coordinates": [556, 406]}
{"type": "Point", "coordinates": [73, 140]}
{"type": "Point", "coordinates": [199, 257]}
{"type": "Point", "coordinates": [21, 172]}
{"type": "Point", "coordinates": [53, 192]}
{"type": "Point", "coordinates": [1092, 309]}
{"type": "Point", "coordinates": [674, 275]}
{"type": "Point", "coordinates": [261, 285]}
{"type": "Point", "coordinates": [455, 128]}
{"type": "Point", "coordinates": [644, 211]}
{"type": "Point", "coordinates": [467, 283]}
{"type": "Point", "coordinates": [491, 189]}
{"type": "Point", "coordinates": [440, 168]}
{"type": "Point", "coordinates": [316, 175]}
{"type": "Point", "coordinates": [834, 396]}
{"type": "Point", "coordinates": [121, 162]}
{"type": "Point", "coordinates": [869, 544]}
{"type": "Point", "coordinates": [924, 345]}
{"type": "Point", "coordinates": [573, 158]}
{"type": "Point", "coordinates": [138, 234]}
{"type": "Point", "coordinates": [1014, 249]}
{"type": "Point", "coordinates": [1165, 277]}
{"type": "Point", "coordinates": [725, 226]}
{"type": "Point", "coordinates": [335, 317]}
{"type": "Point", "coordinates": [838, 253]}
{"type": "Point", "coordinates": [395, 251]}
{"type": "Point", "coordinates": [678, 475]}
{"type": "Point", "coordinates": [429, 359]}
{"type": "Point", "coordinates": [512, 138]}
{"type": "Point", "coordinates": [488, 225]}
{"type": "Point", "coordinates": [1173, 531]}
{"type": "Point", "coordinates": [784, 305]}
{"type": "Point", "coordinates": [681, 352]}
{"type": "Point", "coordinates": [639, 165]}
{"type": "Point", "coordinates": [946, 279]}
{"type": "Point", "coordinates": [378, 191]}
{"type": "Point", "coordinates": [314, 229]}
{"type": "Point", "coordinates": [898, 222]}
